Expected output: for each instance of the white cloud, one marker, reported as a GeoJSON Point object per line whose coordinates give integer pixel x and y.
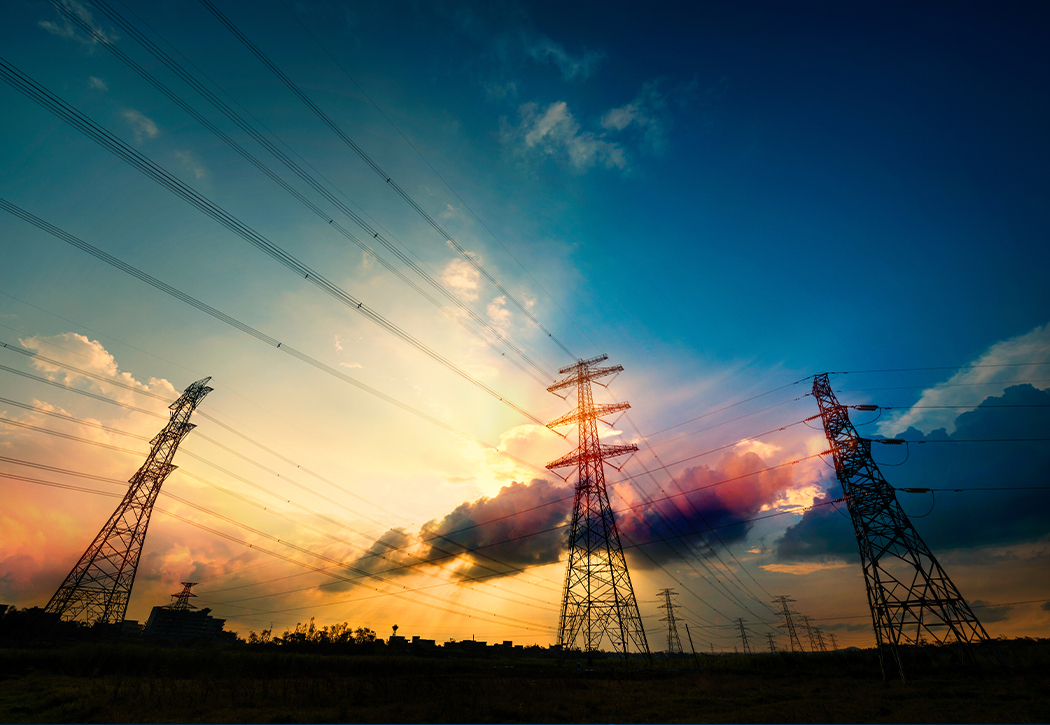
{"type": "Point", "coordinates": [66, 29]}
{"type": "Point", "coordinates": [498, 312]}
{"type": "Point", "coordinates": [556, 133]}
{"type": "Point", "coordinates": [960, 389]}
{"type": "Point", "coordinates": [647, 113]}
{"type": "Point", "coordinates": [351, 366]}
{"type": "Point", "coordinates": [186, 159]}
{"type": "Point", "coordinates": [572, 67]}
{"type": "Point", "coordinates": [144, 128]}
{"type": "Point", "coordinates": [463, 278]}
{"type": "Point", "coordinates": [98, 84]}
{"type": "Point", "coordinates": [449, 212]}
{"type": "Point", "coordinates": [500, 91]}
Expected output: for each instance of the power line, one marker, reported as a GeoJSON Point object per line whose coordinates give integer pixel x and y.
{"type": "Point", "coordinates": [223, 317]}
{"type": "Point", "coordinates": [378, 170]}
{"type": "Point", "coordinates": [51, 102]}
{"type": "Point", "coordinates": [244, 125]}
{"type": "Point", "coordinates": [438, 174]}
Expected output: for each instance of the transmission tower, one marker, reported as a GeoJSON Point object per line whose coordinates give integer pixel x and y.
{"type": "Point", "coordinates": [182, 599]}
{"type": "Point", "coordinates": [820, 639]}
{"type": "Point", "coordinates": [772, 642]}
{"type": "Point", "coordinates": [789, 624]}
{"type": "Point", "coordinates": [743, 636]}
{"type": "Point", "coordinates": [834, 644]}
{"type": "Point", "coordinates": [98, 588]}
{"type": "Point", "coordinates": [809, 633]}
{"type": "Point", "coordinates": [599, 599]}
{"type": "Point", "coordinates": [674, 645]}
{"type": "Point", "coordinates": [910, 595]}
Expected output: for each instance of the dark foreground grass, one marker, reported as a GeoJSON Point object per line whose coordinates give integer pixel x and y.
{"type": "Point", "coordinates": [134, 682]}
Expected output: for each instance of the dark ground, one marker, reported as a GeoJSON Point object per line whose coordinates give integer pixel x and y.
{"type": "Point", "coordinates": [134, 681]}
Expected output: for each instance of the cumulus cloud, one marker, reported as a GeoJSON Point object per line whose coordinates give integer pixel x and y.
{"type": "Point", "coordinates": [572, 67]}
{"type": "Point", "coordinates": [708, 504]}
{"type": "Point", "coordinates": [521, 526]}
{"type": "Point", "coordinates": [65, 28]}
{"type": "Point", "coordinates": [498, 313]}
{"type": "Point", "coordinates": [463, 278]}
{"type": "Point", "coordinates": [91, 356]}
{"type": "Point", "coordinates": [555, 133]}
{"type": "Point", "coordinates": [965, 519]}
{"type": "Point", "coordinates": [144, 128]}
{"type": "Point", "coordinates": [1033, 346]}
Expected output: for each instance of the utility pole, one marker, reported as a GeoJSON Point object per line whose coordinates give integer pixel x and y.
{"type": "Point", "coordinates": [772, 642]}
{"type": "Point", "coordinates": [674, 644]}
{"type": "Point", "coordinates": [696, 660]}
{"type": "Point", "coordinates": [910, 595]}
{"type": "Point", "coordinates": [99, 586]}
{"type": "Point", "coordinates": [743, 636]}
{"type": "Point", "coordinates": [599, 600]}
{"type": "Point", "coordinates": [789, 624]}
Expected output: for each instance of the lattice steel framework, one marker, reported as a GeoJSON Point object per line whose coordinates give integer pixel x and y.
{"type": "Point", "coordinates": [98, 588]}
{"type": "Point", "coordinates": [789, 623]}
{"type": "Point", "coordinates": [910, 595]}
{"type": "Point", "coordinates": [181, 601]}
{"type": "Point", "coordinates": [674, 644]}
{"type": "Point", "coordinates": [743, 636]}
{"type": "Point", "coordinates": [599, 600]}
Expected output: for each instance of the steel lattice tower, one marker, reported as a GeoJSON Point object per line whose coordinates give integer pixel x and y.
{"type": "Point", "coordinates": [674, 644]}
{"type": "Point", "coordinates": [599, 599]}
{"type": "Point", "coordinates": [789, 624]}
{"type": "Point", "coordinates": [98, 588]}
{"type": "Point", "coordinates": [809, 632]}
{"type": "Point", "coordinates": [182, 599]}
{"type": "Point", "coordinates": [910, 595]}
{"type": "Point", "coordinates": [743, 636]}
{"type": "Point", "coordinates": [772, 642]}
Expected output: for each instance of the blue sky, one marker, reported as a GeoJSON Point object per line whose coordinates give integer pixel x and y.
{"type": "Point", "coordinates": [723, 197]}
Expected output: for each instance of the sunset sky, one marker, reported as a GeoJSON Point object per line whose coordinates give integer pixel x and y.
{"type": "Point", "coordinates": [726, 198]}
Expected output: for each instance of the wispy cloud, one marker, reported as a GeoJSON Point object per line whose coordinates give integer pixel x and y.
{"type": "Point", "coordinates": [144, 128]}
{"type": "Point", "coordinates": [65, 28]}
{"type": "Point", "coordinates": [187, 160]}
{"type": "Point", "coordinates": [572, 67]}
{"type": "Point", "coordinates": [647, 113]}
{"type": "Point", "coordinates": [98, 84]}
{"type": "Point", "coordinates": [556, 133]}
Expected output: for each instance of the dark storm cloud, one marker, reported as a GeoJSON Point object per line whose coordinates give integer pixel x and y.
{"type": "Point", "coordinates": [1000, 516]}
{"type": "Point", "coordinates": [989, 614]}
{"type": "Point", "coordinates": [521, 526]}
{"type": "Point", "coordinates": [685, 521]}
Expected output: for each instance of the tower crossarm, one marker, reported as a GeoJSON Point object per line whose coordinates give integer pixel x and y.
{"type": "Point", "coordinates": [584, 375]}
{"type": "Point", "coordinates": [583, 364]}
{"type": "Point", "coordinates": [600, 410]}
{"type": "Point", "coordinates": [574, 458]}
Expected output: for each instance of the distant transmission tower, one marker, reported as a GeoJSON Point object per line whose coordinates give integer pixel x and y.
{"type": "Point", "coordinates": [789, 624]}
{"type": "Point", "coordinates": [772, 642]}
{"type": "Point", "coordinates": [834, 644]}
{"type": "Point", "coordinates": [809, 633]}
{"type": "Point", "coordinates": [743, 636]}
{"type": "Point", "coordinates": [909, 593]}
{"type": "Point", "coordinates": [674, 645]}
{"type": "Point", "coordinates": [820, 639]}
{"type": "Point", "coordinates": [599, 599]}
{"type": "Point", "coordinates": [99, 587]}
{"type": "Point", "coordinates": [182, 599]}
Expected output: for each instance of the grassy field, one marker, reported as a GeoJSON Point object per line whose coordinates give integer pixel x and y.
{"type": "Point", "coordinates": [139, 682]}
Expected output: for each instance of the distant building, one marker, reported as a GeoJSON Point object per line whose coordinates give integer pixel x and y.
{"type": "Point", "coordinates": [185, 624]}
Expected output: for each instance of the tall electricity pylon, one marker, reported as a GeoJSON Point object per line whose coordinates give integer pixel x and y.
{"type": "Point", "coordinates": [910, 595]}
{"type": "Point", "coordinates": [743, 636]}
{"type": "Point", "coordinates": [599, 599]}
{"type": "Point", "coordinates": [674, 644]}
{"type": "Point", "coordinates": [772, 642]}
{"type": "Point", "coordinates": [98, 588]}
{"type": "Point", "coordinates": [789, 623]}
